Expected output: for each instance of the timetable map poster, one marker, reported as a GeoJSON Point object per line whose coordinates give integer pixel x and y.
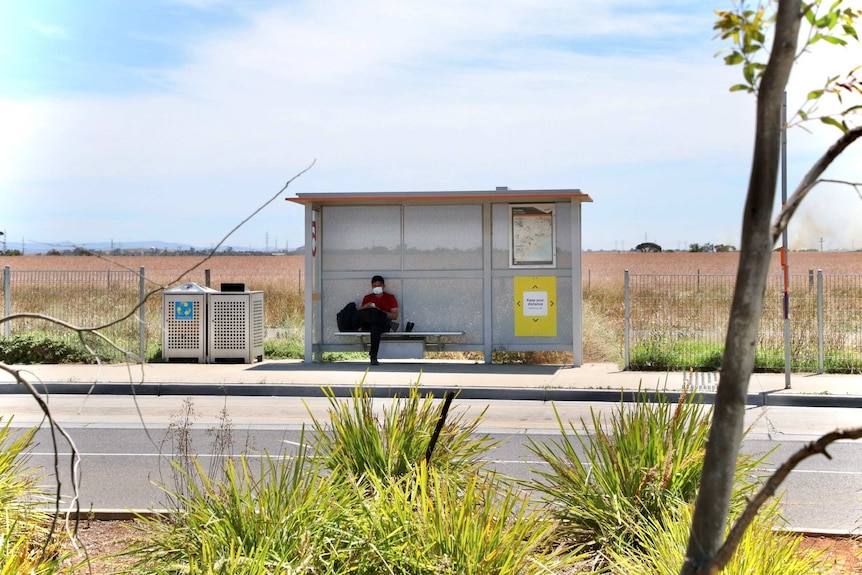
{"type": "Point", "coordinates": [536, 306]}
{"type": "Point", "coordinates": [533, 236]}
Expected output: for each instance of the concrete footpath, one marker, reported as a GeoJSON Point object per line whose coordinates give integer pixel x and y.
{"type": "Point", "coordinates": [590, 382]}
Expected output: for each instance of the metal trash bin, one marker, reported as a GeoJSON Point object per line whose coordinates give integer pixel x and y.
{"type": "Point", "coordinates": [235, 326]}
{"type": "Point", "coordinates": [184, 333]}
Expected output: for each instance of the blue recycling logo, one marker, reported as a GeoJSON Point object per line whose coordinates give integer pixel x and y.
{"type": "Point", "coordinates": [184, 310]}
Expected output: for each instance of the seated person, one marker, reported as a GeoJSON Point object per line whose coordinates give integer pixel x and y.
{"type": "Point", "coordinates": [376, 314]}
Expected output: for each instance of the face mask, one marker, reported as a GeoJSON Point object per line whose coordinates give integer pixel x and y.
{"type": "Point", "coordinates": [377, 290]}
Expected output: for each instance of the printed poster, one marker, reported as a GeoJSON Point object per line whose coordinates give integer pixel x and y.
{"type": "Point", "coordinates": [536, 306]}
{"type": "Point", "coordinates": [533, 236]}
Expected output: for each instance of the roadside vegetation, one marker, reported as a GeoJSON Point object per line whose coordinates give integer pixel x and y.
{"type": "Point", "coordinates": [362, 493]}
{"type": "Point", "coordinates": [26, 544]}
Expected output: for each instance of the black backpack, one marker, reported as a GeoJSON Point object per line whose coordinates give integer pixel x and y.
{"type": "Point", "coordinates": [346, 318]}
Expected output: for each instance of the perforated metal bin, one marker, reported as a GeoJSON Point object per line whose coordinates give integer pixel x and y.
{"type": "Point", "coordinates": [184, 311]}
{"type": "Point", "coordinates": [236, 328]}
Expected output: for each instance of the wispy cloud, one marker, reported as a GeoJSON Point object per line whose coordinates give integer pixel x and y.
{"type": "Point", "coordinates": [51, 31]}
{"type": "Point", "coordinates": [623, 99]}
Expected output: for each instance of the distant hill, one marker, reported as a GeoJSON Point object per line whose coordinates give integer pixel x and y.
{"type": "Point", "coordinates": [122, 248]}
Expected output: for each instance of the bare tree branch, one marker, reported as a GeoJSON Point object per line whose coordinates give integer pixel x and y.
{"type": "Point", "coordinates": [725, 434]}
{"type": "Point", "coordinates": [724, 555]}
{"type": "Point", "coordinates": [161, 288]}
{"type": "Point", "coordinates": [75, 459]}
{"type": "Point", "coordinates": [811, 179]}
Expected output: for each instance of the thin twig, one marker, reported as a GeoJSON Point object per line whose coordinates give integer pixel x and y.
{"type": "Point", "coordinates": [725, 553]}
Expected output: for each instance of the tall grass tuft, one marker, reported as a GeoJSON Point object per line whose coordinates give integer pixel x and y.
{"type": "Point", "coordinates": [359, 442]}
{"type": "Point", "coordinates": [426, 522]}
{"type": "Point", "coordinates": [646, 459]}
{"type": "Point", "coordinates": [24, 547]}
{"type": "Point", "coordinates": [763, 550]}
{"type": "Point", "coordinates": [286, 518]}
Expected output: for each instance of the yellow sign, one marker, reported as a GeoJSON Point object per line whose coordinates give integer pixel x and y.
{"type": "Point", "coordinates": [536, 306]}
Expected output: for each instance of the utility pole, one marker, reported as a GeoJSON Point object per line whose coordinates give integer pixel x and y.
{"type": "Point", "coordinates": [821, 243]}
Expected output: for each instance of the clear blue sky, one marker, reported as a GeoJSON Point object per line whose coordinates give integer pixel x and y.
{"type": "Point", "coordinates": [172, 120]}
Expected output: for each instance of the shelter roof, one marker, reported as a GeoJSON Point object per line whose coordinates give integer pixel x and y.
{"type": "Point", "coordinates": [463, 197]}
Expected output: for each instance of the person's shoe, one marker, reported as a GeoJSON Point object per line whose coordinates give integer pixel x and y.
{"type": "Point", "coordinates": [374, 361]}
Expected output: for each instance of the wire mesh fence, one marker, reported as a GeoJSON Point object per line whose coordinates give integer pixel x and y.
{"type": "Point", "coordinates": [680, 321]}
{"type": "Point", "coordinates": [671, 321]}
{"type": "Point", "coordinates": [84, 299]}
{"type": "Point", "coordinates": [109, 299]}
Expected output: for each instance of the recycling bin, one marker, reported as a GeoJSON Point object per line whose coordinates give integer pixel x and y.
{"type": "Point", "coordinates": [184, 333]}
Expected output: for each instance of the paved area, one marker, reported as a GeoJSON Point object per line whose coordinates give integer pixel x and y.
{"type": "Point", "coordinates": [594, 381]}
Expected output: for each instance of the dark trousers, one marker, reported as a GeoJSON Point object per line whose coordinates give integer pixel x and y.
{"type": "Point", "coordinates": [376, 322]}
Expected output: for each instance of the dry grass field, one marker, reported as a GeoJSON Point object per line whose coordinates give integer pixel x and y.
{"type": "Point", "coordinates": [605, 265]}
{"type": "Point", "coordinates": [281, 278]}
{"type": "Point", "coordinates": [265, 269]}
{"type": "Point", "coordinates": [251, 270]}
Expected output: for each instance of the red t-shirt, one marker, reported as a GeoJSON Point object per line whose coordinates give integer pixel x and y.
{"type": "Point", "coordinates": [385, 301]}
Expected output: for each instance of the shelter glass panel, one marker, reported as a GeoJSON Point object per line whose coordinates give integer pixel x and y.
{"type": "Point", "coordinates": [442, 237]}
{"type": "Point", "coordinates": [360, 238]}
{"type": "Point", "coordinates": [444, 304]}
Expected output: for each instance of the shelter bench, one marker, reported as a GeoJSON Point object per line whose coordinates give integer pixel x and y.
{"type": "Point", "coordinates": [403, 344]}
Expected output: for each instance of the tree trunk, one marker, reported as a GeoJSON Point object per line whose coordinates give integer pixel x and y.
{"type": "Point", "coordinates": [725, 436]}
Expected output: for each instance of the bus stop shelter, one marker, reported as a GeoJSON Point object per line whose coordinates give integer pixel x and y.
{"type": "Point", "coordinates": [501, 266]}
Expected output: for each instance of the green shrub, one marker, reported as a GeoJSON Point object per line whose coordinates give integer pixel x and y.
{"type": "Point", "coordinates": [23, 529]}
{"type": "Point", "coordinates": [295, 516]}
{"type": "Point", "coordinates": [281, 348]}
{"type": "Point", "coordinates": [426, 522]}
{"type": "Point", "coordinates": [357, 442]}
{"type": "Point", "coordinates": [35, 347]}
{"type": "Point", "coordinates": [762, 551]}
{"type": "Point", "coordinates": [647, 459]}
{"type": "Point", "coordinates": [286, 518]}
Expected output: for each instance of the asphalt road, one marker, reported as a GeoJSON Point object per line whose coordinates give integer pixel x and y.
{"type": "Point", "coordinates": [123, 464]}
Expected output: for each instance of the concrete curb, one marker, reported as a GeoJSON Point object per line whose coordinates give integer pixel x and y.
{"type": "Point", "coordinates": [129, 514]}
{"type": "Point", "coordinates": [768, 398]}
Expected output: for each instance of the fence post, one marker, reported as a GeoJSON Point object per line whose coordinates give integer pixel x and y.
{"type": "Point", "coordinates": [627, 324]}
{"type": "Point", "coordinates": [819, 321]}
{"type": "Point", "coordinates": [207, 277]}
{"type": "Point", "coordinates": [7, 297]}
{"type": "Point", "coordinates": [142, 316]}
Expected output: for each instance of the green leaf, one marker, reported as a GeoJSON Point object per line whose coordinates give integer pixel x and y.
{"type": "Point", "coordinates": [850, 31]}
{"type": "Point", "coordinates": [733, 59]}
{"type": "Point", "coordinates": [741, 87]}
{"type": "Point", "coordinates": [814, 94]}
{"type": "Point", "coordinates": [833, 122]}
{"type": "Point", "coordinates": [748, 72]}
{"type": "Point", "coordinates": [852, 109]}
{"type": "Point", "coordinates": [803, 115]}
{"type": "Point", "coordinates": [814, 39]}
{"type": "Point", "coordinates": [835, 40]}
